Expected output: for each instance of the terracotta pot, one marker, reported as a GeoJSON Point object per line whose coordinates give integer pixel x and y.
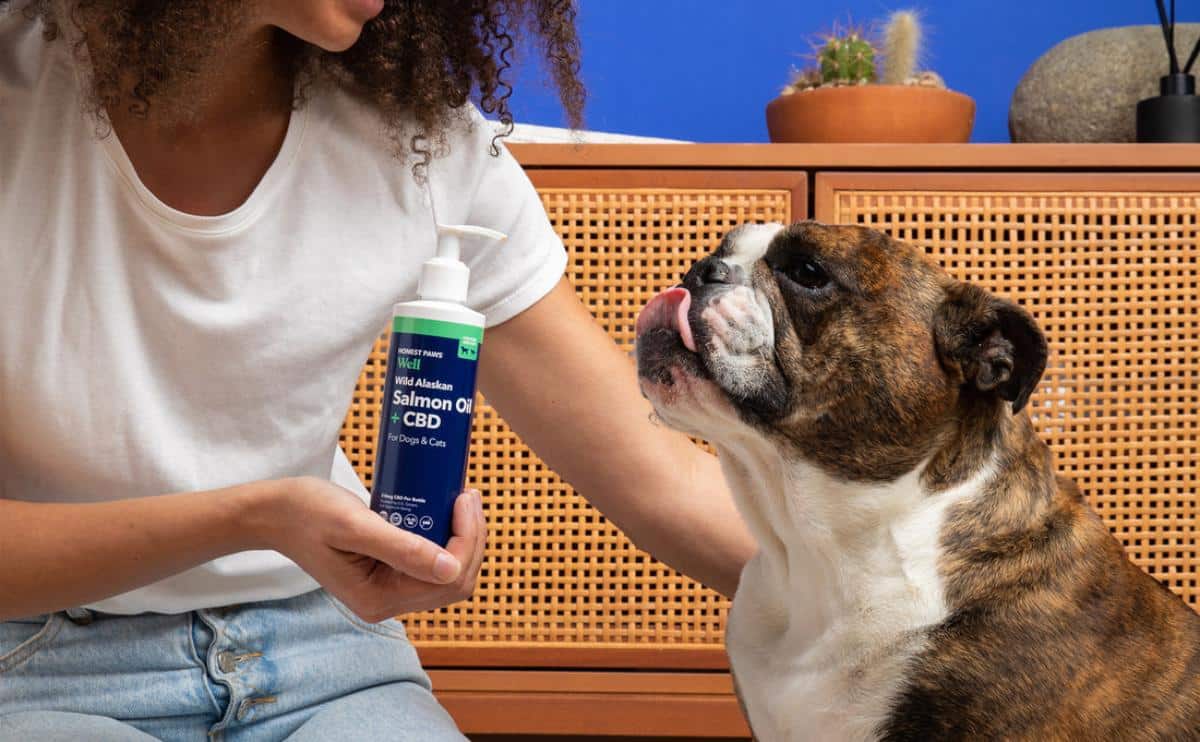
{"type": "Point", "coordinates": [871, 113]}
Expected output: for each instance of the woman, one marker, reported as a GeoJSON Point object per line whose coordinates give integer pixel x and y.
{"type": "Point", "coordinates": [206, 211]}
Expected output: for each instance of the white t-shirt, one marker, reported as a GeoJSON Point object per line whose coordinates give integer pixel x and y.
{"type": "Point", "coordinates": [145, 351]}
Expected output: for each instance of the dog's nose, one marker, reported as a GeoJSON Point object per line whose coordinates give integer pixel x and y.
{"type": "Point", "coordinates": [715, 270]}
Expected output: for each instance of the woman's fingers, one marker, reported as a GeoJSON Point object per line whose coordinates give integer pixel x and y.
{"type": "Point", "coordinates": [405, 552]}
{"type": "Point", "coordinates": [469, 540]}
{"type": "Point", "coordinates": [402, 594]}
{"type": "Point", "coordinates": [481, 539]}
{"type": "Point", "coordinates": [408, 587]}
{"type": "Point", "coordinates": [468, 528]}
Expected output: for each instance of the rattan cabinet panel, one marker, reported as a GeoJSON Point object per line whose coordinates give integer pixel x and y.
{"type": "Point", "coordinates": [558, 578]}
{"type": "Point", "coordinates": [1109, 264]}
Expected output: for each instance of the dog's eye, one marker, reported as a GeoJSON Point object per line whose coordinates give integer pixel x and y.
{"type": "Point", "coordinates": [808, 274]}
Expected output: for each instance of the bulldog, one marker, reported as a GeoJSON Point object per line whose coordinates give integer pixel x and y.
{"type": "Point", "coordinates": [923, 574]}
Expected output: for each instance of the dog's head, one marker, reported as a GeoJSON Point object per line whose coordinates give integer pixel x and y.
{"type": "Point", "coordinates": [849, 347]}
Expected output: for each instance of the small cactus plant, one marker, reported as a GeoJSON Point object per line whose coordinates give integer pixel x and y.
{"type": "Point", "coordinates": [847, 60]}
{"type": "Point", "coordinates": [850, 58]}
{"type": "Point", "coordinates": [864, 86]}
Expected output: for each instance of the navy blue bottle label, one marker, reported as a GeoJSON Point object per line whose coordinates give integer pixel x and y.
{"type": "Point", "coordinates": [425, 426]}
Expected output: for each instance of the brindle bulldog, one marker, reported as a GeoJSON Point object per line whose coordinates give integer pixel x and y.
{"type": "Point", "coordinates": [923, 573]}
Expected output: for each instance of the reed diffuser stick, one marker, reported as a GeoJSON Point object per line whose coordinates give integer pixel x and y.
{"type": "Point", "coordinates": [1168, 33]}
{"type": "Point", "coordinates": [1187, 68]}
{"type": "Point", "coordinates": [1172, 25]}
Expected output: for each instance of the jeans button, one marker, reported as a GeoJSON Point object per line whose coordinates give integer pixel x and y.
{"type": "Point", "coordinates": [227, 661]}
{"type": "Point", "coordinates": [248, 705]}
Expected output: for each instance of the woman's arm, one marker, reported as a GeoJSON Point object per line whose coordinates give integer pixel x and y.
{"type": "Point", "coordinates": [571, 394]}
{"type": "Point", "coordinates": [55, 556]}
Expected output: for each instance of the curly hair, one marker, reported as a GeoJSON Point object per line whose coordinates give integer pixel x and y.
{"type": "Point", "coordinates": [418, 62]}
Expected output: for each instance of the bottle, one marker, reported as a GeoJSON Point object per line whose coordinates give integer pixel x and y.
{"type": "Point", "coordinates": [429, 395]}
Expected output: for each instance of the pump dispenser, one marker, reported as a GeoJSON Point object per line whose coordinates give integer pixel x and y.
{"type": "Point", "coordinates": [429, 396]}
{"type": "Point", "coordinates": [444, 277]}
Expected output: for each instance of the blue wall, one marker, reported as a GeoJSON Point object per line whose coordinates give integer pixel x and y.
{"type": "Point", "coordinates": [704, 69]}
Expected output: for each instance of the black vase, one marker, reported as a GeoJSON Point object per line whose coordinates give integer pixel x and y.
{"type": "Point", "coordinates": [1173, 116]}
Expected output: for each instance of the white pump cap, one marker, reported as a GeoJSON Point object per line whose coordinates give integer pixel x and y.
{"type": "Point", "coordinates": [444, 277]}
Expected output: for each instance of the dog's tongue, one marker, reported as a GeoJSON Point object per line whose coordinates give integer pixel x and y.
{"type": "Point", "coordinates": [669, 309]}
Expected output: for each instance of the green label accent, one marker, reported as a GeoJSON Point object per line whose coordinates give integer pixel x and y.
{"type": "Point", "coordinates": [469, 337]}
{"type": "Point", "coordinates": [468, 348]}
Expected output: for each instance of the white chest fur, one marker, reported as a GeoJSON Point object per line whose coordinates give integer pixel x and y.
{"type": "Point", "coordinates": [837, 601]}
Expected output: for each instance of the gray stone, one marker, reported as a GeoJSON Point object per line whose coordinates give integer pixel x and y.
{"type": "Point", "coordinates": [1086, 88]}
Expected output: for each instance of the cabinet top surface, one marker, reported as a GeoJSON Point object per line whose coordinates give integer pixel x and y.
{"type": "Point", "coordinates": [864, 156]}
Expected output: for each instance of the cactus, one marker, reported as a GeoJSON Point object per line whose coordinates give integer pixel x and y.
{"type": "Point", "coordinates": [847, 60]}
{"type": "Point", "coordinates": [901, 48]}
{"type": "Point", "coordinates": [848, 57]}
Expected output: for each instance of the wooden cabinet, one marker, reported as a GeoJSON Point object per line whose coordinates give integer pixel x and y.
{"type": "Point", "coordinates": [574, 631]}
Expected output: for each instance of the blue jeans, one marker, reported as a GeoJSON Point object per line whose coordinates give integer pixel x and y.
{"type": "Point", "coordinates": [304, 668]}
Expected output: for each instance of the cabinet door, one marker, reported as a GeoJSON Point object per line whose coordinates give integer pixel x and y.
{"type": "Point", "coordinates": [1109, 265]}
{"type": "Point", "coordinates": [562, 587]}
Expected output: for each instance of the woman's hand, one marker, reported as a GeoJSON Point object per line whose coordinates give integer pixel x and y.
{"type": "Point", "coordinates": [58, 555]}
{"type": "Point", "coordinates": [375, 568]}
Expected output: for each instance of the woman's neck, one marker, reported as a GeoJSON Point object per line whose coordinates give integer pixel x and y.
{"type": "Point", "coordinates": [210, 160]}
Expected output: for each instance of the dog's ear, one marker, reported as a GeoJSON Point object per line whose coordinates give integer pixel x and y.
{"type": "Point", "coordinates": [990, 343]}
